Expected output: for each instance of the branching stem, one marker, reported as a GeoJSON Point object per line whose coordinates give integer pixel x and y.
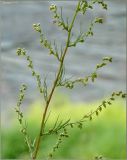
{"type": "Point", "coordinates": [54, 86]}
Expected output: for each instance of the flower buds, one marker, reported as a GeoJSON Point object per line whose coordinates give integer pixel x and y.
{"type": "Point", "coordinates": [53, 7]}
{"type": "Point", "coordinates": [37, 27]}
{"type": "Point", "coordinates": [21, 52]}
{"type": "Point", "coordinates": [98, 20]}
{"type": "Point", "coordinates": [107, 59]}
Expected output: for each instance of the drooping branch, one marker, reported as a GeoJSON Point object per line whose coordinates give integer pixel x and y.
{"type": "Point", "coordinates": [68, 83]}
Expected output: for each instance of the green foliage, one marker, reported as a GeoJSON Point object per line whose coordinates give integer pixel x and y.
{"type": "Point", "coordinates": [60, 128]}
{"type": "Point", "coordinates": [104, 136]}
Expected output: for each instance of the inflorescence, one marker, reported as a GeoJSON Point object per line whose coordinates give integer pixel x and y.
{"type": "Point", "coordinates": [60, 128]}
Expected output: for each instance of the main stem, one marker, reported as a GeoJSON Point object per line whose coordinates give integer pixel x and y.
{"type": "Point", "coordinates": [54, 85]}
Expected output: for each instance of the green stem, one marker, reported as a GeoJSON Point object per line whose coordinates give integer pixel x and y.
{"type": "Point", "coordinates": [54, 86]}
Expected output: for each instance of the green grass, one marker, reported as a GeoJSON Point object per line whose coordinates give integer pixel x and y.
{"type": "Point", "coordinates": [104, 135]}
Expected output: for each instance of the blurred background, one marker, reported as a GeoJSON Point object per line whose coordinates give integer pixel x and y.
{"type": "Point", "coordinates": [106, 135]}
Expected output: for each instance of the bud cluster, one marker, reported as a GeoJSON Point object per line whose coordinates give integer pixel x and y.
{"type": "Point", "coordinates": [22, 52]}
{"type": "Point", "coordinates": [84, 5]}
{"type": "Point", "coordinates": [99, 20]}
{"type": "Point", "coordinates": [58, 19]}
{"type": "Point", "coordinates": [60, 140]}
{"type": "Point", "coordinates": [70, 83]}
{"type": "Point", "coordinates": [43, 40]}
{"type": "Point", "coordinates": [82, 37]}
{"type": "Point", "coordinates": [37, 27]}
{"type": "Point", "coordinates": [19, 102]}
{"type": "Point", "coordinates": [53, 8]}
{"type": "Point", "coordinates": [105, 60]}
{"type": "Point", "coordinates": [105, 103]}
{"type": "Point", "coordinates": [101, 2]}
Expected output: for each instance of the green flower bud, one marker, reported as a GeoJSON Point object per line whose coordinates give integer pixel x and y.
{"type": "Point", "coordinates": [30, 65]}
{"type": "Point", "coordinates": [51, 51]}
{"type": "Point", "coordinates": [123, 95]}
{"type": "Point", "coordinates": [21, 114]}
{"type": "Point", "coordinates": [38, 76]}
{"type": "Point", "coordinates": [105, 6]}
{"type": "Point", "coordinates": [28, 58]}
{"type": "Point", "coordinates": [97, 66]}
{"type": "Point", "coordinates": [98, 20]}
{"type": "Point", "coordinates": [24, 87]}
{"type": "Point", "coordinates": [93, 76]}
{"type": "Point", "coordinates": [90, 7]}
{"type": "Point", "coordinates": [81, 40]}
{"type": "Point", "coordinates": [20, 121]}
{"type": "Point", "coordinates": [41, 90]}
{"type": "Point", "coordinates": [107, 59]}
{"type": "Point", "coordinates": [37, 27]}
{"type": "Point", "coordinates": [33, 73]}
{"type": "Point", "coordinates": [69, 85]}
{"type": "Point", "coordinates": [17, 109]}
{"type": "Point", "coordinates": [41, 40]}
{"type": "Point", "coordinates": [23, 52]}
{"type": "Point", "coordinates": [19, 50]}
{"type": "Point", "coordinates": [53, 7]}
{"type": "Point", "coordinates": [60, 23]}
{"type": "Point", "coordinates": [21, 96]}
{"type": "Point", "coordinates": [102, 64]}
